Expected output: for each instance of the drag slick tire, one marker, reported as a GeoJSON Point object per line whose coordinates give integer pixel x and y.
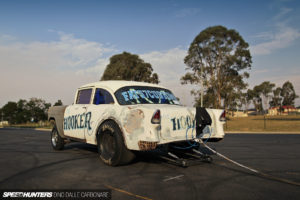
{"type": "Point", "coordinates": [111, 147]}
{"type": "Point", "coordinates": [57, 142]}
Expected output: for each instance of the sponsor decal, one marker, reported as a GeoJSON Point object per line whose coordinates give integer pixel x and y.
{"type": "Point", "coordinates": [147, 94]}
{"type": "Point", "coordinates": [183, 122]}
{"type": "Point", "coordinates": [79, 121]}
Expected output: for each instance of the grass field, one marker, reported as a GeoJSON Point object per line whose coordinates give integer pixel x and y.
{"type": "Point", "coordinates": [242, 124]}
{"type": "Point", "coordinates": [261, 124]}
{"type": "Point", "coordinates": [45, 124]}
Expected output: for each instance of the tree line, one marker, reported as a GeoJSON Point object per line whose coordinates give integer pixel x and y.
{"type": "Point", "coordinates": [266, 95]}
{"type": "Point", "coordinates": [218, 61]}
{"type": "Point", "coordinates": [23, 111]}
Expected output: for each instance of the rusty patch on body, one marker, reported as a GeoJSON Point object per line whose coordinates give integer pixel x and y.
{"type": "Point", "coordinates": [134, 120]}
{"type": "Point", "coordinates": [144, 145]}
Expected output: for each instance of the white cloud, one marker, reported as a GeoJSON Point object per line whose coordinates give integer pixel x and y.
{"type": "Point", "coordinates": [53, 70]}
{"type": "Point", "coordinates": [67, 52]}
{"type": "Point", "coordinates": [170, 67]}
{"type": "Point", "coordinates": [282, 36]}
{"type": "Point", "coordinates": [282, 39]}
{"type": "Point", "coordinates": [282, 13]}
{"type": "Point", "coordinates": [6, 37]}
{"type": "Point", "coordinates": [80, 51]}
{"type": "Point", "coordinates": [99, 68]}
{"type": "Point", "coordinates": [168, 64]}
{"type": "Point", "coordinates": [264, 36]}
{"type": "Point", "coordinates": [49, 70]}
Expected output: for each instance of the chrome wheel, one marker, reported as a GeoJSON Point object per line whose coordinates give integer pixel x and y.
{"type": "Point", "coordinates": [54, 138]}
{"type": "Point", "coordinates": [57, 141]}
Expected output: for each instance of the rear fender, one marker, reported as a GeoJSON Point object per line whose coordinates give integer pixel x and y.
{"type": "Point", "coordinates": [56, 114]}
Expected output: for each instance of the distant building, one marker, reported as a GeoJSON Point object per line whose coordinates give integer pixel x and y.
{"type": "Point", "coordinates": [252, 111]}
{"type": "Point", "coordinates": [283, 110]}
{"type": "Point", "coordinates": [237, 113]}
{"type": "Point", "coordinates": [3, 123]}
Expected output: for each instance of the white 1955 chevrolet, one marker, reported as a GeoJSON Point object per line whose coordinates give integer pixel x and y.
{"type": "Point", "coordinates": [121, 117]}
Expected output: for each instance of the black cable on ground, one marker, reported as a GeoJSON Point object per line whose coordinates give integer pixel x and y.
{"type": "Point", "coordinates": [249, 168]}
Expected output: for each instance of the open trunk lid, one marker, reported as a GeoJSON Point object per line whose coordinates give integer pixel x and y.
{"type": "Point", "coordinates": [185, 123]}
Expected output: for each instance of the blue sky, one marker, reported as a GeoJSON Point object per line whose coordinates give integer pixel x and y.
{"type": "Point", "coordinates": [68, 43]}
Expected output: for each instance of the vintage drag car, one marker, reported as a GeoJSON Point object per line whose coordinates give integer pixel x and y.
{"type": "Point", "coordinates": [122, 117]}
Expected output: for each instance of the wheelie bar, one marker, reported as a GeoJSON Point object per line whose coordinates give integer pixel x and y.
{"type": "Point", "coordinates": [187, 158]}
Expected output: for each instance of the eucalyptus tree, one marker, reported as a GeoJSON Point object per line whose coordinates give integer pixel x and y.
{"type": "Point", "coordinates": [127, 66]}
{"type": "Point", "coordinates": [217, 61]}
{"type": "Point", "coordinates": [276, 98]}
{"type": "Point", "coordinates": [288, 94]}
{"type": "Point", "coordinates": [266, 90]}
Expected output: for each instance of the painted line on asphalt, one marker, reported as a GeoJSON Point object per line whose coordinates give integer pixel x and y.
{"type": "Point", "coordinates": [128, 193]}
{"type": "Point", "coordinates": [175, 177]}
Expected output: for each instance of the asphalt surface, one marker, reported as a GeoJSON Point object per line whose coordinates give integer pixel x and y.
{"type": "Point", "coordinates": [27, 162]}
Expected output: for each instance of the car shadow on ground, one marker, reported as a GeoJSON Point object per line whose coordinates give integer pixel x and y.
{"type": "Point", "coordinates": [157, 156]}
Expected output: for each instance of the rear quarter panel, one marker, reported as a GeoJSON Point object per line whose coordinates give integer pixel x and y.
{"type": "Point", "coordinates": [56, 113]}
{"type": "Point", "coordinates": [216, 129]}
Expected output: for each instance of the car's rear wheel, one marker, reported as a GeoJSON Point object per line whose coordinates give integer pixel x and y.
{"type": "Point", "coordinates": [57, 142]}
{"type": "Point", "coordinates": [111, 147]}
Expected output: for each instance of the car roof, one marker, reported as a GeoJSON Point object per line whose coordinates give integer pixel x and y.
{"type": "Point", "coordinates": [115, 85]}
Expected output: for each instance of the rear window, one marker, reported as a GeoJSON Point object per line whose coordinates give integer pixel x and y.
{"type": "Point", "coordinates": [144, 95]}
{"type": "Point", "coordinates": [102, 97]}
{"type": "Point", "coordinates": [84, 96]}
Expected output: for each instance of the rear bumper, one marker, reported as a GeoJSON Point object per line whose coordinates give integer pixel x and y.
{"type": "Point", "coordinates": [151, 145]}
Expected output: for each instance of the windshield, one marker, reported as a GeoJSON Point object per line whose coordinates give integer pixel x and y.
{"type": "Point", "coordinates": [144, 95]}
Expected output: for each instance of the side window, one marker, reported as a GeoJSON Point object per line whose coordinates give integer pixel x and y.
{"type": "Point", "coordinates": [84, 96]}
{"type": "Point", "coordinates": [102, 97]}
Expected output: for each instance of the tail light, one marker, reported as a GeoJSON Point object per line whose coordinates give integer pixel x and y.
{"type": "Point", "coordinates": [156, 117]}
{"type": "Point", "coordinates": [223, 116]}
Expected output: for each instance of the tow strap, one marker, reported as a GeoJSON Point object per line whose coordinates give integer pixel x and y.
{"type": "Point", "coordinates": [248, 168]}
